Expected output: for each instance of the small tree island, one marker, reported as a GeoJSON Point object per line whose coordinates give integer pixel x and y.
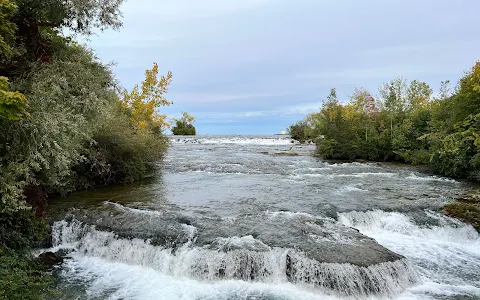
{"type": "Point", "coordinates": [184, 125]}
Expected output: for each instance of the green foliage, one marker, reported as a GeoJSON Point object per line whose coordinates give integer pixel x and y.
{"type": "Point", "coordinates": [64, 125]}
{"type": "Point", "coordinates": [21, 278]}
{"type": "Point", "coordinates": [7, 28]}
{"type": "Point", "coordinates": [20, 230]}
{"type": "Point", "coordinates": [119, 151]}
{"type": "Point", "coordinates": [183, 128]}
{"type": "Point", "coordinates": [27, 26]}
{"type": "Point", "coordinates": [42, 149]}
{"type": "Point", "coordinates": [79, 132]}
{"type": "Point", "coordinates": [184, 125]}
{"type": "Point", "coordinates": [13, 105]}
{"type": "Point", "coordinates": [405, 124]}
{"type": "Point", "coordinates": [298, 131]}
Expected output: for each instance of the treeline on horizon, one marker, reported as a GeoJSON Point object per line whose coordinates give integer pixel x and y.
{"type": "Point", "coordinates": [405, 123]}
{"type": "Point", "coordinates": [65, 124]}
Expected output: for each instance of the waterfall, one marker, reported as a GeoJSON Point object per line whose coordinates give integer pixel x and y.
{"type": "Point", "coordinates": [240, 258]}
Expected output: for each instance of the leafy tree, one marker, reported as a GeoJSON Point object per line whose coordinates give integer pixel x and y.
{"type": "Point", "coordinates": [7, 28]}
{"type": "Point", "coordinates": [63, 124]}
{"type": "Point", "coordinates": [407, 125]}
{"type": "Point", "coordinates": [13, 105]}
{"type": "Point", "coordinates": [184, 125]}
{"type": "Point", "coordinates": [41, 150]}
{"type": "Point", "coordinates": [298, 131]}
{"type": "Point", "coordinates": [144, 101]}
{"type": "Point", "coordinates": [35, 20]}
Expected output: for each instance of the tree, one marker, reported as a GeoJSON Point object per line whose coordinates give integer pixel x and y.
{"type": "Point", "coordinates": [7, 28]}
{"type": "Point", "coordinates": [418, 94]}
{"type": "Point", "coordinates": [184, 125]}
{"type": "Point", "coordinates": [40, 150]}
{"type": "Point", "coordinates": [39, 22]}
{"type": "Point", "coordinates": [13, 105]}
{"type": "Point", "coordinates": [298, 131]}
{"type": "Point", "coordinates": [143, 102]}
{"type": "Point", "coordinates": [407, 125]}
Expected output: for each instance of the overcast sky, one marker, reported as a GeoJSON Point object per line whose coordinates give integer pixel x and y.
{"type": "Point", "coordinates": [256, 66]}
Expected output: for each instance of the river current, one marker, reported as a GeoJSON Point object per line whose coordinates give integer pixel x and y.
{"type": "Point", "coordinates": [258, 217]}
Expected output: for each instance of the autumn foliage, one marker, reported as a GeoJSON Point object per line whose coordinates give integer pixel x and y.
{"type": "Point", "coordinates": [144, 101]}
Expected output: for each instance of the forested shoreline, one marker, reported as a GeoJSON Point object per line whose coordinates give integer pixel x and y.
{"type": "Point", "coordinates": [406, 123]}
{"type": "Point", "coordinates": [65, 124]}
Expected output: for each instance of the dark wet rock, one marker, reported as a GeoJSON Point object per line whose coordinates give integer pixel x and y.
{"type": "Point", "coordinates": [466, 208]}
{"type": "Point", "coordinates": [328, 210]}
{"type": "Point", "coordinates": [50, 259]}
{"type": "Point", "coordinates": [320, 239]}
{"type": "Point", "coordinates": [279, 153]}
{"type": "Point", "coordinates": [46, 242]}
{"type": "Point", "coordinates": [285, 154]}
{"type": "Point", "coordinates": [465, 211]}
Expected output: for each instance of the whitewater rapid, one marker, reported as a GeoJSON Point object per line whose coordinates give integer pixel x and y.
{"type": "Point", "coordinates": [226, 218]}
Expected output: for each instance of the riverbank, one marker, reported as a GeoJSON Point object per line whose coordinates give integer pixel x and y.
{"type": "Point", "coordinates": [466, 209]}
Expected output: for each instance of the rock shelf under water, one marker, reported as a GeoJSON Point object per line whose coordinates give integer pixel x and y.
{"type": "Point", "coordinates": [275, 247]}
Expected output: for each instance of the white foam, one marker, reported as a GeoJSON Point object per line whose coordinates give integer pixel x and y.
{"type": "Point", "coordinates": [231, 258]}
{"type": "Point", "coordinates": [353, 165]}
{"type": "Point", "coordinates": [245, 242]}
{"type": "Point", "coordinates": [134, 210]}
{"type": "Point", "coordinates": [243, 140]}
{"type": "Point", "coordinates": [447, 255]}
{"type": "Point", "coordinates": [368, 174]}
{"type": "Point", "coordinates": [289, 214]}
{"type": "Point", "coordinates": [396, 222]}
{"type": "Point", "coordinates": [350, 188]}
{"type": "Point", "coordinates": [414, 176]}
{"type": "Point", "coordinates": [131, 282]}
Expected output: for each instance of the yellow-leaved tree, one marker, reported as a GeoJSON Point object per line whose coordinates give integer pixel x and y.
{"type": "Point", "coordinates": [144, 101]}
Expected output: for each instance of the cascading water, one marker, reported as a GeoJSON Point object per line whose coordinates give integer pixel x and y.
{"type": "Point", "coordinates": [446, 251]}
{"type": "Point", "coordinates": [242, 258]}
{"type": "Point", "coordinates": [223, 220]}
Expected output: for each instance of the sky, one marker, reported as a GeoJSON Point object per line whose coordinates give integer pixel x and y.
{"type": "Point", "coordinates": [257, 66]}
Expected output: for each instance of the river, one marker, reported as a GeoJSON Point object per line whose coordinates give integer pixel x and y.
{"type": "Point", "coordinates": [240, 217]}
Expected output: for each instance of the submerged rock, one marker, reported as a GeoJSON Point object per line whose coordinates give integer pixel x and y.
{"type": "Point", "coordinates": [321, 239]}
{"type": "Point", "coordinates": [272, 247]}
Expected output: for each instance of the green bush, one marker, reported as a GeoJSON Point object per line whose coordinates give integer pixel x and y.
{"type": "Point", "coordinates": [298, 131]}
{"type": "Point", "coordinates": [183, 128]}
{"type": "Point", "coordinates": [20, 229]}
{"type": "Point", "coordinates": [119, 152]}
{"type": "Point", "coordinates": [22, 278]}
{"type": "Point", "coordinates": [404, 124]}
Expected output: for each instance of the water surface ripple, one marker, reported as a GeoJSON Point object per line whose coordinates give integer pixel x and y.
{"type": "Point", "coordinates": [257, 217]}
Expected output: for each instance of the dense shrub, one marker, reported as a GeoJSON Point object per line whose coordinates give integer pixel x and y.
{"type": "Point", "coordinates": [298, 131]}
{"type": "Point", "coordinates": [22, 278]}
{"type": "Point", "coordinates": [183, 128]}
{"type": "Point", "coordinates": [184, 125]}
{"type": "Point", "coordinates": [405, 124]}
{"type": "Point", "coordinates": [64, 124]}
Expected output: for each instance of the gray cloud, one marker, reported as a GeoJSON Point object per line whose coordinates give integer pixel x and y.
{"type": "Point", "coordinates": [248, 62]}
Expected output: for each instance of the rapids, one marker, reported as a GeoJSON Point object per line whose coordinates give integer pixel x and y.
{"type": "Point", "coordinates": [233, 217]}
